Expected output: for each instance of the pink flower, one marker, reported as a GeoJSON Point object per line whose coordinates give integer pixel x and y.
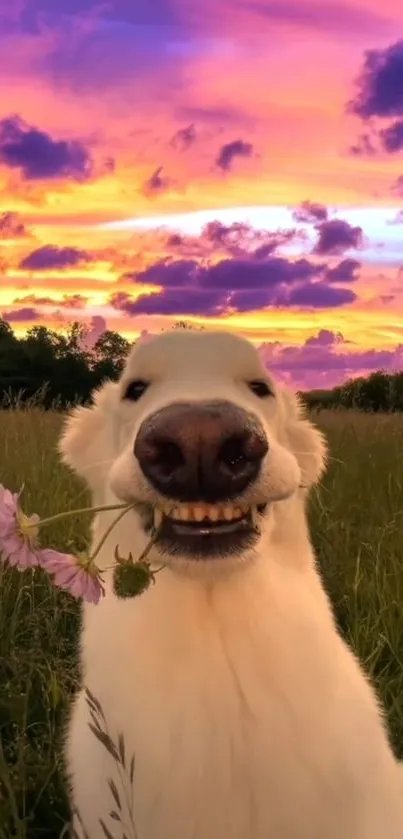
{"type": "Point", "coordinates": [18, 532]}
{"type": "Point", "coordinates": [8, 509]}
{"type": "Point", "coordinates": [77, 575]}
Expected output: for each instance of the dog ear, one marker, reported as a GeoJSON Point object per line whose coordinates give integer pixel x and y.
{"type": "Point", "coordinates": [306, 442]}
{"type": "Point", "coordinates": [87, 441]}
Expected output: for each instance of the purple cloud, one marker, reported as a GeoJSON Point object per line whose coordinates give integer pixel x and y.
{"type": "Point", "coordinates": [156, 183]}
{"type": "Point", "coordinates": [170, 274]}
{"type": "Point", "coordinates": [320, 296]}
{"type": "Point", "coordinates": [11, 227]}
{"type": "Point", "coordinates": [38, 156]}
{"type": "Point", "coordinates": [184, 138]}
{"type": "Point", "coordinates": [250, 300]}
{"type": "Point", "coordinates": [379, 94]}
{"type": "Point", "coordinates": [245, 284]}
{"type": "Point", "coordinates": [229, 151]}
{"type": "Point", "coordinates": [211, 302]}
{"type": "Point", "coordinates": [229, 274]}
{"type": "Point", "coordinates": [379, 86]}
{"type": "Point", "coordinates": [325, 338]}
{"type": "Point", "coordinates": [345, 272]}
{"type": "Point", "coordinates": [50, 257]}
{"type": "Point", "coordinates": [246, 274]}
{"type": "Point", "coordinates": [238, 240]}
{"type": "Point", "coordinates": [21, 315]}
{"type": "Point", "coordinates": [336, 236]}
{"type": "Point", "coordinates": [389, 140]}
{"type": "Point", "coordinates": [173, 302]}
{"type": "Point", "coordinates": [392, 137]}
{"type": "Point", "coordinates": [305, 295]}
{"type": "Point", "coordinates": [309, 212]}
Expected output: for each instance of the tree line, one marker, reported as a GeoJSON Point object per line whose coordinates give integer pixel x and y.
{"type": "Point", "coordinates": [377, 392]}
{"type": "Point", "coordinates": [57, 370]}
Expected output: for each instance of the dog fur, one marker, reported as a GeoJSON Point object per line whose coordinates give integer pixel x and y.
{"type": "Point", "coordinates": [248, 715]}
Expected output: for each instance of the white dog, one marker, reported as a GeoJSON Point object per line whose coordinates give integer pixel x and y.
{"type": "Point", "coordinates": [247, 714]}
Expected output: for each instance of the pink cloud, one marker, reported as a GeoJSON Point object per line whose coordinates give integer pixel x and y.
{"type": "Point", "coordinates": [96, 328]}
{"type": "Point", "coordinates": [326, 360]}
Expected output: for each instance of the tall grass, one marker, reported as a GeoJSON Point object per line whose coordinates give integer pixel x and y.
{"type": "Point", "coordinates": [357, 526]}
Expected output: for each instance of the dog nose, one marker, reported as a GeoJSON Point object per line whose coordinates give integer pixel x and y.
{"type": "Point", "coordinates": [201, 451]}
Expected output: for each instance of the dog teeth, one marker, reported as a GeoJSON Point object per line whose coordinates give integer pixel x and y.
{"type": "Point", "coordinates": [183, 513]}
{"type": "Point", "coordinates": [200, 512]}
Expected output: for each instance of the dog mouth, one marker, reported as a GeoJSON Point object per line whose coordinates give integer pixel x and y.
{"type": "Point", "coordinates": [206, 531]}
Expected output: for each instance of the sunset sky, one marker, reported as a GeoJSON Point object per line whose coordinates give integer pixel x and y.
{"type": "Point", "coordinates": [233, 163]}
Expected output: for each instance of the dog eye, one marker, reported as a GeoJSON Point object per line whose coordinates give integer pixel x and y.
{"type": "Point", "coordinates": [260, 389]}
{"type": "Point", "coordinates": [135, 390]}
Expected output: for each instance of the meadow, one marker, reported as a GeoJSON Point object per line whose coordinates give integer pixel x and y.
{"type": "Point", "coordinates": [357, 527]}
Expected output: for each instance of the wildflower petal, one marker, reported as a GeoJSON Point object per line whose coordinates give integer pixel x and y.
{"type": "Point", "coordinates": [10, 545]}
{"type": "Point", "coordinates": [79, 585]}
{"type": "Point", "coordinates": [8, 510]}
{"type": "Point", "coordinates": [27, 557]}
{"type": "Point", "coordinates": [64, 576]}
{"type": "Point", "coordinates": [73, 574]}
{"type": "Point", "coordinates": [18, 532]}
{"type": "Point", "coordinates": [95, 591]}
{"type": "Point", "coordinates": [8, 499]}
{"type": "Point", "coordinates": [51, 560]}
{"type": "Point", "coordinates": [18, 553]}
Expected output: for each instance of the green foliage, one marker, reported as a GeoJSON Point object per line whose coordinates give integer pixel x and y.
{"type": "Point", "coordinates": [378, 392]}
{"type": "Point", "coordinates": [53, 370]}
{"type": "Point", "coordinates": [357, 524]}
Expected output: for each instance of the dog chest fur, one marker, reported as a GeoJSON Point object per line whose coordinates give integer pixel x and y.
{"type": "Point", "coordinates": [242, 706]}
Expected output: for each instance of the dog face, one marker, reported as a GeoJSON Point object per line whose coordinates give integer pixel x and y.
{"type": "Point", "coordinates": [200, 438]}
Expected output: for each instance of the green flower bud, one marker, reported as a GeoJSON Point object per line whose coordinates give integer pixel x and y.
{"type": "Point", "coordinates": [131, 579]}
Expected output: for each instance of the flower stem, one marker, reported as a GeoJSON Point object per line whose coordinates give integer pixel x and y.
{"type": "Point", "coordinates": [78, 512]}
{"type": "Point", "coordinates": [108, 530]}
{"type": "Point", "coordinates": [147, 549]}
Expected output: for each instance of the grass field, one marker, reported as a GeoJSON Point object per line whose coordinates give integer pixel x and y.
{"type": "Point", "coordinates": [357, 526]}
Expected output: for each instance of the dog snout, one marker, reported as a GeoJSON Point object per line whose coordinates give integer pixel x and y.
{"type": "Point", "coordinates": [201, 451]}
